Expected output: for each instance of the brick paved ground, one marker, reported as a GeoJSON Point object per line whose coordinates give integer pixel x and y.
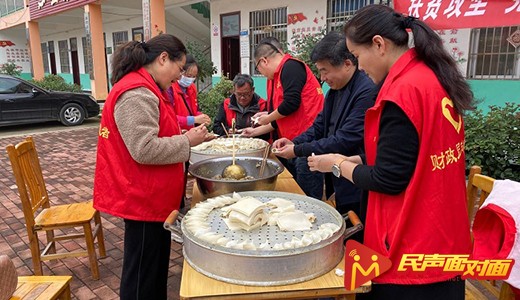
{"type": "Point", "coordinates": [68, 159]}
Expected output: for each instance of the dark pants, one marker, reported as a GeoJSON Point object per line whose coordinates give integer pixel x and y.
{"type": "Point", "coordinates": [446, 290]}
{"type": "Point", "coordinates": [310, 182]}
{"type": "Point", "coordinates": [146, 261]}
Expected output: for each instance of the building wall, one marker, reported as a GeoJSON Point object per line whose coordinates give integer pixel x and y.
{"type": "Point", "coordinates": [310, 8]}
{"type": "Point", "coordinates": [457, 42]}
{"type": "Point", "coordinates": [17, 53]}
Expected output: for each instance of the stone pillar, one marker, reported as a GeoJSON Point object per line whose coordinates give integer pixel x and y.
{"type": "Point", "coordinates": [33, 37]}
{"type": "Point", "coordinates": [94, 32]}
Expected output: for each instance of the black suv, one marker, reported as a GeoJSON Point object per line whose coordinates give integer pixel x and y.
{"type": "Point", "coordinates": [23, 102]}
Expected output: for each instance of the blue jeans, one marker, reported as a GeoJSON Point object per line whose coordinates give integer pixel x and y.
{"type": "Point", "coordinates": [310, 182]}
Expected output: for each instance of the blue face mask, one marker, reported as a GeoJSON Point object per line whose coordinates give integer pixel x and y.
{"type": "Point", "coordinates": [186, 81]}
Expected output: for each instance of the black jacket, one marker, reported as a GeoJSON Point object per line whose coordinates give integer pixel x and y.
{"type": "Point", "coordinates": [243, 119]}
{"type": "Point", "coordinates": [347, 135]}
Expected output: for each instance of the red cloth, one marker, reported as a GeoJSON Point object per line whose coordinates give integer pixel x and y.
{"type": "Point", "coordinates": [180, 99]}
{"type": "Point", "coordinates": [430, 216]}
{"type": "Point", "coordinates": [123, 187]}
{"type": "Point", "coordinates": [311, 103]}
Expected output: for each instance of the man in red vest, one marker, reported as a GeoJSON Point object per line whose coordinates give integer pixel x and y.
{"type": "Point", "coordinates": [241, 106]}
{"type": "Point", "coordinates": [295, 99]}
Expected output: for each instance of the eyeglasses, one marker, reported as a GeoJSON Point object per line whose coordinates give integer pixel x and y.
{"type": "Point", "coordinates": [181, 70]}
{"type": "Point", "coordinates": [257, 63]}
{"type": "Point", "coordinates": [243, 95]}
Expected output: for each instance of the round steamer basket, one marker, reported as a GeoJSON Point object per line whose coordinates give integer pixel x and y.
{"type": "Point", "coordinates": [200, 155]}
{"type": "Point", "coordinates": [267, 267]}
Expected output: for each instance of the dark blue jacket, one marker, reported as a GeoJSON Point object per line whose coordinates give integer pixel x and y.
{"type": "Point", "coordinates": [347, 138]}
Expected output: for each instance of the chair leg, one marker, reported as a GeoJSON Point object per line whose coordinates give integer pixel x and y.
{"type": "Point", "coordinates": [100, 237]}
{"type": "Point", "coordinates": [35, 253]}
{"type": "Point", "coordinates": [91, 250]}
{"type": "Point", "coordinates": [50, 239]}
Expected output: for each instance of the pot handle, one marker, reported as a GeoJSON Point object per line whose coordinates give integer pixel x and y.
{"type": "Point", "coordinates": [356, 224]}
{"type": "Point", "coordinates": [173, 224]}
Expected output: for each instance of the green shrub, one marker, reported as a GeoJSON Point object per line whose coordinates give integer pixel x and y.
{"type": "Point", "coordinates": [206, 67]}
{"type": "Point", "coordinates": [303, 46]}
{"type": "Point", "coordinates": [209, 102]}
{"type": "Point", "coordinates": [493, 141]}
{"type": "Point", "coordinates": [11, 68]}
{"type": "Point", "coordinates": [56, 83]}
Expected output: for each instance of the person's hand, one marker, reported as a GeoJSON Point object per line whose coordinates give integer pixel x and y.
{"type": "Point", "coordinates": [263, 119]}
{"type": "Point", "coordinates": [260, 113]}
{"type": "Point", "coordinates": [286, 151]}
{"type": "Point", "coordinates": [197, 135]}
{"type": "Point", "coordinates": [202, 119]}
{"type": "Point", "coordinates": [279, 143]}
{"type": "Point", "coordinates": [324, 163]}
{"type": "Point", "coordinates": [249, 132]}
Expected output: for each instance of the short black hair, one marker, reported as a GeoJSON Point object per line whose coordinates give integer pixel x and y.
{"type": "Point", "coordinates": [241, 79]}
{"type": "Point", "coordinates": [332, 48]}
{"type": "Point", "coordinates": [266, 48]}
{"type": "Point", "coordinates": [273, 41]}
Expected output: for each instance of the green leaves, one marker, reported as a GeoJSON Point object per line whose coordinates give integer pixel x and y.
{"type": "Point", "coordinates": [56, 83]}
{"type": "Point", "coordinates": [209, 102]}
{"type": "Point", "coordinates": [493, 141]}
{"type": "Point", "coordinates": [11, 68]}
{"type": "Point", "coordinates": [201, 55]}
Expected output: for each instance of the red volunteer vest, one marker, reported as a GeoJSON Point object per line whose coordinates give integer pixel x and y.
{"type": "Point", "coordinates": [180, 100]}
{"type": "Point", "coordinates": [122, 186]}
{"type": "Point", "coordinates": [312, 103]}
{"type": "Point", "coordinates": [430, 216]}
{"type": "Point", "coordinates": [231, 114]}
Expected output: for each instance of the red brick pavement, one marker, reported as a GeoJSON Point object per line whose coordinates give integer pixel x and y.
{"type": "Point", "coordinates": [67, 159]}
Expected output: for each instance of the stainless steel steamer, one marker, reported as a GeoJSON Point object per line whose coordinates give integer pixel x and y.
{"type": "Point", "coordinates": [268, 267]}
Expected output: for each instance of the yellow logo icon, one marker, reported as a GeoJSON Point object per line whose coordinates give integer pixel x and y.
{"type": "Point", "coordinates": [363, 264]}
{"type": "Point", "coordinates": [448, 114]}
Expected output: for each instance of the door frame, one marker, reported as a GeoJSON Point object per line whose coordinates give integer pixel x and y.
{"type": "Point", "coordinates": [231, 36]}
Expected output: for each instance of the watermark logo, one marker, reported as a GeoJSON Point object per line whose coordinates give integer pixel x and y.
{"type": "Point", "coordinates": [362, 264]}
{"type": "Point", "coordinates": [460, 264]}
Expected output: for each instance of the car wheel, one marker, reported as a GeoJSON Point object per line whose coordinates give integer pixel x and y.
{"type": "Point", "coordinates": [72, 114]}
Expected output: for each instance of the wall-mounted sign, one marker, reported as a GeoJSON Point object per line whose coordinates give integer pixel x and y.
{"type": "Point", "coordinates": [448, 14]}
{"type": "Point", "coordinates": [230, 25]}
{"type": "Point", "coordinates": [42, 8]}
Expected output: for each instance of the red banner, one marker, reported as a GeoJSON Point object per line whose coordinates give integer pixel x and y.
{"type": "Point", "coordinates": [447, 14]}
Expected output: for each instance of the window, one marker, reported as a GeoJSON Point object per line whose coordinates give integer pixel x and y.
{"type": "Point", "coordinates": [12, 86]}
{"type": "Point", "coordinates": [63, 49]}
{"type": "Point", "coordinates": [339, 11]}
{"type": "Point", "coordinates": [10, 6]}
{"type": "Point", "coordinates": [266, 23]}
{"type": "Point", "coordinates": [45, 54]}
{"type": "Point", "coordinates": [138, 34]}
{"type": "Point", "coordinates": [492, 56]}
{"type": "Point", "coordinates": [119, 38]}
{"type": "Point", "coordinates": [87, 55]}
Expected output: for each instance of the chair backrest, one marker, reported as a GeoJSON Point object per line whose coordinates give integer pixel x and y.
{"type": "Point", "coordinates": [477, 182]}
{"type": "Point", "coordinates": [29, 179]}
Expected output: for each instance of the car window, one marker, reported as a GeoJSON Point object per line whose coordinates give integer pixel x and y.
{"type": "Point", "coordinates": [13, 86]}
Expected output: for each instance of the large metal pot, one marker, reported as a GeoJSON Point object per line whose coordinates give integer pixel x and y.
{"type": "Point", "coordinates": [269, 267]}
{"type": "Point", "coordinates": [206, 170]}
{"type": "Point", "coordinates": [197, 154]}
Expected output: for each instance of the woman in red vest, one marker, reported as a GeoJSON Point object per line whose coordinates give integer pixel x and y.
{"type": "Point", "coordinates": [140, 159]}
{"type": "Point", "coordinates": [414, 165]}
{"type": "Point", "coordinates": [184, 96]}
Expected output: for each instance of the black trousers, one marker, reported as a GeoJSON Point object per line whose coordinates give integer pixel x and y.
{"type": "Point", "coordinates": [445, 290]}
{"type": "Point", "coordinates": [145, 262]}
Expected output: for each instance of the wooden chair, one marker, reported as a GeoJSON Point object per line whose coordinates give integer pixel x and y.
{"type": "Point", "coordinates": [478, 189]}
{"type": "Point", "coordinates": [33, 193]}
